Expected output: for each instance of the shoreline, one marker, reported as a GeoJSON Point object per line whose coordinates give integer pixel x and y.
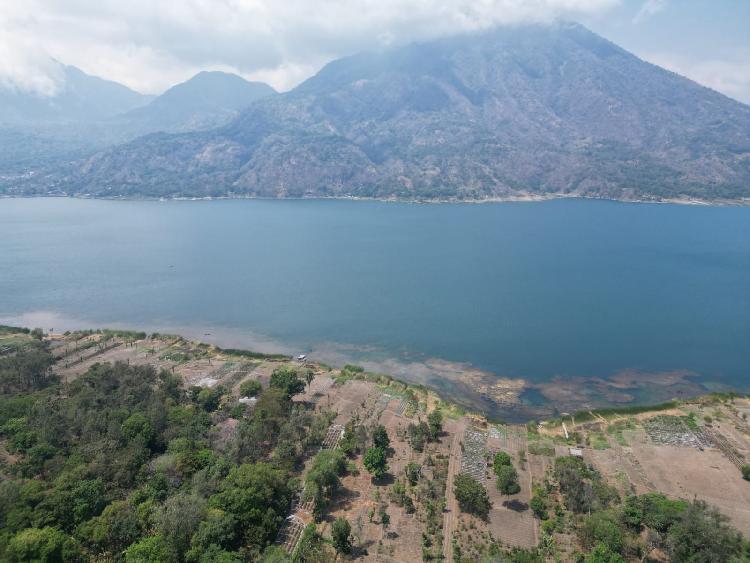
{"type": "Point", "coordinates": [493, 395]}
{"type": "Point", "coordinates": [520, 198]}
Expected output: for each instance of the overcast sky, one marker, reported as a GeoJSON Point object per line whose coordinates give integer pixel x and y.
{"type": "Point", "coordinates": [150, 45]}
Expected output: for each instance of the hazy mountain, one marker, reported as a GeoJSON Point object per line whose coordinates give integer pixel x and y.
{"type": "Point", "coordinates": [80, 97]}
{"type": "Point", "coordinates": [207, 100]}
{"type": "Point", "coordinates": [89, 114]}
{"type": "Point", "coordinates": [514, 111]}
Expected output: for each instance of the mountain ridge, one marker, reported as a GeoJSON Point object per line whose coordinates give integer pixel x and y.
{"type": "Point", "coordinates": [522, 112]}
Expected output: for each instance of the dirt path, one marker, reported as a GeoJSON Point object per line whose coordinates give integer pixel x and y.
{"type": "Point", "coordinates": [451, 509]}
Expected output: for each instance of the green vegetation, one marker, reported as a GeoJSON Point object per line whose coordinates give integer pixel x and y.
{"type": "Point", "coordinates": [252, 355]}
{"type": "Point", "coordinates": [322, 481]}
{"type": "Point", "coordinates": [341, 532]}
{"type": "Point", "coordinates": [287, 380]}
{"type": "Point", "coordinates": [507, 476]}
{"type": "Point", "coordinates": [250, 388]}
{"type": "Point", "coordinates": [119, 464]}
{"type": "Point", "coordinates": [613, 530]}
{"type": "Point", "coordinates": [375, 462]}
{"type": "Point", "coordinates": [471, 495]}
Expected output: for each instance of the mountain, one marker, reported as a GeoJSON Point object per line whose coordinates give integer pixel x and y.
{"type": "Point", "coordinates": [207, 100]}
{"type": "Point", "coordinates": [80, 97]}
{"type": "Point", "coordinates": [515, 111]}
{"type": "Point", "coordinates": [89, 114]}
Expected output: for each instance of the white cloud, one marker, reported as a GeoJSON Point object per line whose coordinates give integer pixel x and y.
{"type": "Point", "coordinates": [730, 75]}
{"type": "Point", "coordinates": [151, 44]}
{"type": "Point", "coordinates": [648, 9]}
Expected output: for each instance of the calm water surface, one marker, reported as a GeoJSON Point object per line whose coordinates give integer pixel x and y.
{"type": "Point", "coordinates": [567, 288]}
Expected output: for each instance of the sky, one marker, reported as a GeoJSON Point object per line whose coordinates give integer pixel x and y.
{"type": "Point", "coordinates": [150, 45]}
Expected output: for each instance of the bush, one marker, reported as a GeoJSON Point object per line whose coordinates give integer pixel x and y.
{"type": "Point", "coordinates": [746, 472]}
{"type": "Point", "coordinates": [250, 388]}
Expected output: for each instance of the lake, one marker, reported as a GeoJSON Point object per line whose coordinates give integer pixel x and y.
{"type": "Point", "coordinates": [519, 309]}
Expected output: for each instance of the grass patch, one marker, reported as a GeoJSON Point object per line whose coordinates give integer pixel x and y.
{"type": "Point", "coordinates": [599, 441]}
{"type": "Point", "coordinates": [542, 448]}
{"type": "Point", "coordinates": [583, 416]}
{"type": "Point", "coordinates": [253, 355]}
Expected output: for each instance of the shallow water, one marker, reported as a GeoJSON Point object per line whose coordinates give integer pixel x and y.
{"type": "Point", "coordinates": [577, 290]}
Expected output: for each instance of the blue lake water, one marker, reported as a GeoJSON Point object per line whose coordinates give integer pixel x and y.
{"type": "Point", "coordinates": [454, 295]}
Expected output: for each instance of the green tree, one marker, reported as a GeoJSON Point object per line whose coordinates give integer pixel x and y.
{"type": "Point", "coordinates": [380, 437]}
{"type": "Point", "coordinates": [250, 388]}
{"type": "Point", "coordinates": [178, 520]}
{"type": "Point", "coordinates": [116, 528]}
{"type": "Point", "coordinates": [341, 532]}
{"type": "Point", "coordinates": [322, 480]}
{"type": "Point", "coordinates": [435, 424]}
{"type": "Point", "coordinates": [45, 545]}
{"type": "Point", "coordinates": [375, 462]}
{"type": "Point", "coordinates": [137, 426]}
{"type": "Point", "coordinates": [151, 549]}
{"type": "Point", "coordinates": [602, 554]}
{"type": "Point", "coordinates": [502, 459]}
{"type": "Point", "coordinates": [257, 495]}
{"type": "Point", "coordinates": [538, 505]}
{"type": "Point", "coordinates": [311, 547]}
{"type": "Point", "coordinates": [602, 528]}
{"type": "Point", "coordinates": [702, 534]}
{"type": "Point", "coordinates": [471, 495]}
{"type": "Point", "coordinates": [285, 379]}
{"type": "Point", "coordinates": [746, 472]}
{"type": "Point", "coordinates": [507, 480]}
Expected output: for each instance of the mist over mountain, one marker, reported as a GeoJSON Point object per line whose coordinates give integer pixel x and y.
{"type": "Point", "coordinates": [516, 111]}
{"type": "Point", "coordinates": [207, 100]}
{"type": "Point", "coordinates": [80, 97]}
{"type": "Point", "coordinates": [88, 114]}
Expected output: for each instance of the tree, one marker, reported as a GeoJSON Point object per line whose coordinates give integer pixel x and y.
{"type": "Point", "coordinates": [45, 545]}
{"type": "Point", "coordinates": [375, 462]}
{"type": "Point", "coordinates": [309, 376]}
{"type": "Point", "coordinates": [702, 534]}
{"type": "Point", "coordinates": [322, 480]}
{"type": "Point", "coordinates": [380, 437]}
{"type": "Point", "coordinates": [507, 480]}
{"type": "Point", "coordinates": [746, 472]}
{"type": "Point", "coordinates": [502, 459]}
{"type": "Point", "coordinates": [258, 495]}
{"type": "Point", "coordinates": [341, 535]}
{"type": "Point", "coordinates": [151, 549]}
{"type": "Point", "coordinates": [385, 519]}
{"type": "Point", "coordinates": [471, 495]}
{"type": "Point", "coordinates": [413, 472]}
{"type": "Point", "coordinates": [178, 520]}
{"type": "Point", "coordinates": [602, 554]}
{"type": "Point", "coordinates": [311, 547]}
{"type": "Point", "coordinates": [435, 424]}
{"type": "Point", "coordinates": [250, 388]}
{"type": "Point", "coordinates": [538, 505]}
{"type": "Point", "coordinates": [285, 378]}
{"type": "Point", "coordinates": [137, 426]}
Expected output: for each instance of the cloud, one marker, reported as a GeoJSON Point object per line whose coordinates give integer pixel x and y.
{"type": "Point", "coordinates": [150, 45]}
{"type": "Point", "coordinates": [648, 9]}
{"type": "Point", "coordinates": [730, 75]}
